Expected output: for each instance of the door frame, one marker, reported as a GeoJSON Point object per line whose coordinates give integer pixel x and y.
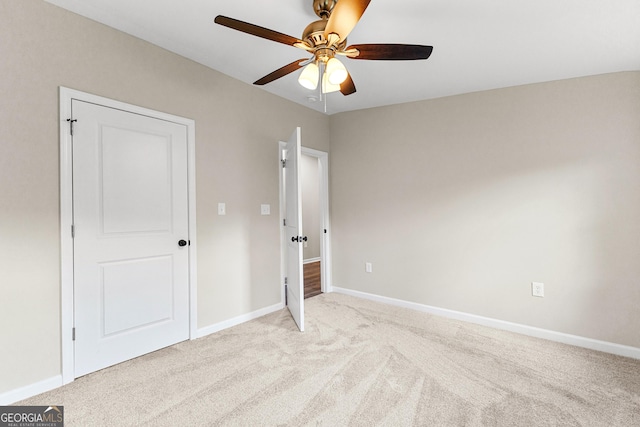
{"type": "Point", "coordinates": [325, 242]}
{"type": "Point", "coordinates": [66, 95]}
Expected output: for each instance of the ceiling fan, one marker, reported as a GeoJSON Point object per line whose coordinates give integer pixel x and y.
{"type": "Point", "coordinates": [324, 40]}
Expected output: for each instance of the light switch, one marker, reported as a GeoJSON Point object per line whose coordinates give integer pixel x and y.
{"type": "Point", "coordinates": [265, 209]}
{"type": "Point", "coordinates": [222, 209]}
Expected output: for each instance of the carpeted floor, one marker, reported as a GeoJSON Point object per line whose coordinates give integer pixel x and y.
{"type": "Point", "coordinates": [359, 363]}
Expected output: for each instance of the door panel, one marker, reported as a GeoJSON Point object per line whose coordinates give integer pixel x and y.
{"type": "Point", "coordinates": [295, 285]}
{"type": "Point", "coordinates": [131, 279]}
{"type": "Point", "coordinates": [123, 310]}
{"type": "Point", "coordinates": [123, 210]}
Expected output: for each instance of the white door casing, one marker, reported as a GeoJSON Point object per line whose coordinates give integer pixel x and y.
{"type": "Point", "coordinates": [129, 286]}
{"type": "Point", "coordinates": [293, 234]}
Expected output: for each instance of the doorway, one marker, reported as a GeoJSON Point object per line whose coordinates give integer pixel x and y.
{"type": "Point", "coordinates": [310, 182]}
{"type": "Point", "coordinates": [321, 224]}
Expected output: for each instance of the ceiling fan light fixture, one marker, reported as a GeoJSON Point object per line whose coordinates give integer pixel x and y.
{"type": "Point", "coordinates": [327, 86]}
{"type": "Point", "coordinates": [336, 71]}
{"type": "Point", "coordinates": [309, 76]}
{"type": "Point", "coordinates": [324, 39]}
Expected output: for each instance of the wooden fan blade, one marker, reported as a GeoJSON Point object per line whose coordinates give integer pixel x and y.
{"type": "Point", "coordinates": [280, 72]}
{"type": "Point", "coordinates": [255, 30]}
{"type": "Point", "coordinates": [347, 87]}
{"type": "Point", "coordinates": [391, 52]}
{"type": "Point", "coordinates": [344, 17]}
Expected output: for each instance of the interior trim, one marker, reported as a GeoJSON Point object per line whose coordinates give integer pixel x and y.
{"type": "Point", "coordinates": [225, 324]}
{"type": "Point", "coordinates": [12, 396]}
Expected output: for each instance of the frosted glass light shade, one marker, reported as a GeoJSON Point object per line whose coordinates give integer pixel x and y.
{"type": "Point", "coordinates": [336, 71]}
{"type": "Point", "coordinates": [309, 76]}
{"type": "Point", "coordinates": [327, 87]}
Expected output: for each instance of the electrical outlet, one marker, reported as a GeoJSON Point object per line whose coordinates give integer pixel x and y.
{"type": "Point", "coordinates": [222, 209]}
{"type": "Point", "coordinates": [537, 289]}
{"type": "Point", "coordinates": [368, 267]}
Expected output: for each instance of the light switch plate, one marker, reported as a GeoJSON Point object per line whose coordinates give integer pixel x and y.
{"type": "Point", "coordinates": [265, 209]}
{"type": "Point", "coordinates": [222, 209]}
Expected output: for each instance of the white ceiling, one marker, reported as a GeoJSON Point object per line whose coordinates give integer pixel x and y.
{"type": "Point", "coordinates": [478, 45]}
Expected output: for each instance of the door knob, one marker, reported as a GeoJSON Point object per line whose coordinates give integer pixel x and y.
{"type": "Point", "coordinates": [295, 239]}
{"type": "Point", "coordinates": [304, 239]}
{"type": "Point", "coordinates": [182, 243]}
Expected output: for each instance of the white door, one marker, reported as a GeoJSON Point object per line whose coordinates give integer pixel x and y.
{"type": "Point", "coordinates": [293, 235]}
{"type": "Point", "coordinates": [130, 210]}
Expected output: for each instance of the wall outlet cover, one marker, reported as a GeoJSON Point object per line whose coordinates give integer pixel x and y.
{"type": "Point", "coordinates": [537, 289]}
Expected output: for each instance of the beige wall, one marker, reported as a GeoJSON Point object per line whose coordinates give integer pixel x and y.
{"type": "Point", "coordinates": [462, 202]}
{"type": "Point", "coordinates": [238, 128]}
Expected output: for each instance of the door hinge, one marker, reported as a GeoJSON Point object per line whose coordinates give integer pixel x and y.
{"type": "Point", "coordinates": [325, 231]}
{"type": "Point", "coordinates": [284, 222]}
{"type": "Point", "coordinates": [73, 334]}
{"type": "Point", "coordinates": [71, 122]}
{"type": "Point", "coordinates": [284, 163]}
{"type": "Point", "coordinates": [286, 280]}
{"type": "Point", "coordinates": [286, 297]}
{"type": "Point", "coordinates": [73, 231]}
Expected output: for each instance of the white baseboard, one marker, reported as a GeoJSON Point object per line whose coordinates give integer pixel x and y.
{"type": "Point", "coordinates": [310, 260]}
{"type": "Point", "coordinates": [203, 332]}
{"type": "Point", "coordinates": [25, 392]}
{"type": "Point", "coordinates": [604, 346]}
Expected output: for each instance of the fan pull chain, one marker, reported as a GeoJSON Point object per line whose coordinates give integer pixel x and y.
{"type": "Point", "coordinates": [320, 79]}
{"type": "Point", "coordinates": [323, 99]}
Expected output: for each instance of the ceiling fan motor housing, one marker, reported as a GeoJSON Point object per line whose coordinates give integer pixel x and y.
{"type": "Point", "coordinates": [314, 36]}
{"type": "Point", "coordinates": [314, 33]}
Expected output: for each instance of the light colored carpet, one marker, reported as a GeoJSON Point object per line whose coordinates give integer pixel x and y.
{"type": "Point", "coordinates": [359, 363]}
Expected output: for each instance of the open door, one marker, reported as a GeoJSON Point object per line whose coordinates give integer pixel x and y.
{"type": "Point", "coordinates": [293, 229]}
